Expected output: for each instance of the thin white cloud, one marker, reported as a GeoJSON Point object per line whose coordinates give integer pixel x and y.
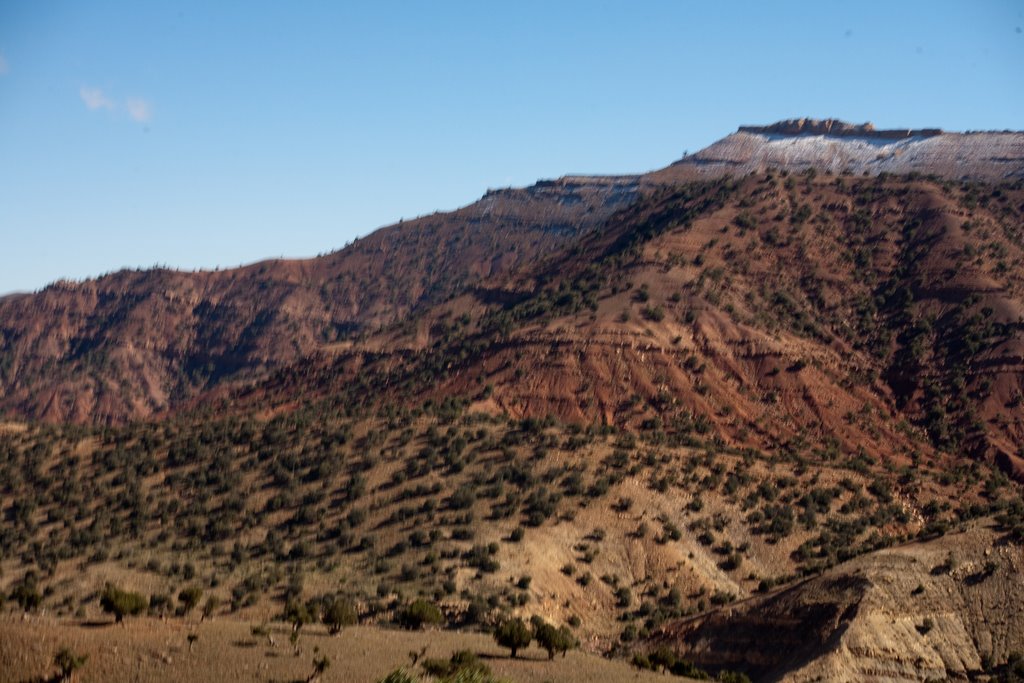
{"type": "Point", "coordinates": [95, 99]}
{"type": "Point", "coordinates": [4, 66]}
{"type": "Point", "coordinates": [139, 109]}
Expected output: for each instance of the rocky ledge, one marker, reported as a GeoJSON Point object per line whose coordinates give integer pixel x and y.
{"type": "Point", "coordinates": [837, 128]}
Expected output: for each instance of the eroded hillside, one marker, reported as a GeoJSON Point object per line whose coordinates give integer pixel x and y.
{"type": "Point", "coordinates": [135, 344]}
{"type": "Point", "coordinates": [138, 343]}
{"type": "Point", "coordinates": [815, 313]}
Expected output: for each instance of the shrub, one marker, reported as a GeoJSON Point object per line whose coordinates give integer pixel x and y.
{"type": "Point", "coordinates": [654, 313]}
{"type": "Point", "coordinates": [160, 604]}
{"type": "Point", "coordinates": [418, 613]}
{"type": "Point", "coordinates": [463, 665]}
{"type": "Point", "coordinates": [68, 663]}
{"type": "Point", "coordinates": [663, 659]}
{"type": "Point", "coordinates": [641, 661]}
{"type": "Point", "coordinates": [27, 594]}
{"type": "Point", "coordinates": [297, 614]}
{"type": "Point", "coordinates": [189, 598]}
{"type": "Point", "coordinates": [211, 605]}
{"type": "Point", "coordinates": [122, 603]}
{"type": "Point", "coordinates": [398, 676]}
{"type": "Point", "coordinates": [339, 613]}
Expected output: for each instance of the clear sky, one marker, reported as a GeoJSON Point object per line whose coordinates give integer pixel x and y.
{"type": "Point", "coordinates": [203, 134]}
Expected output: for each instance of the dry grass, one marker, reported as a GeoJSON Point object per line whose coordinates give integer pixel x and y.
{"type": "Point", "coordinates": [153, 650]}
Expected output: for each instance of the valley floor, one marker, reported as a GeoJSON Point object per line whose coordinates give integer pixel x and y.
{"type": "Point", "coordinates": [151, 650]}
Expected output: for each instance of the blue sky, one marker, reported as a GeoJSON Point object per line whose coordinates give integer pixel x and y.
{"type": "Point", "coordinates": [201, 134]}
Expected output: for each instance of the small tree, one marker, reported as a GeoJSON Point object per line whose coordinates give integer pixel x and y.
{"type": "Point", "coordinates": [418, 613]}
{"type": "Point", "coordinates": [663, 658]}
{"type": "Point", "coordinates": [554, 639]}
{"type": "Point", "coordinates": [297, 614]}
{"type": "Point", "coordinates": [338, 614]}
{"type": "Point", "coordinates": [192, 638]}
{"type": "Point", "coordinates": [27, 594]}
{"type": "Point", "coordinates": [160, 605]}
{"type": "Point", "coordinates": [189, 598]}
{"type": "Point", "coordinates": [68, 663]}
{"type": "Point", "coordinates": [211, 605]}
{"type": "Point", "coordinates": [513, 634]}
{"type": "Point", "coordinates": [122, 603]}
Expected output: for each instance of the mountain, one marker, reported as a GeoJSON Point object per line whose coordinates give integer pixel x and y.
{"type": "Point", "coordinates": [775, 310]}
{"type": "Point", "coordinates": [138, 343]}
{"type": "Point", "coordinates": [761, 410]}
{"type": "Point", "coordinates": [748, 287]}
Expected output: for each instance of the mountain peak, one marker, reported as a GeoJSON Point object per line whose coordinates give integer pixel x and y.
{"type": "Point", "coordinates": [837, 128]}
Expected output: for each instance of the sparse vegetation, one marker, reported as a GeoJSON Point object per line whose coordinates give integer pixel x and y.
{"type": "Point", "coordinates": [384, 489]}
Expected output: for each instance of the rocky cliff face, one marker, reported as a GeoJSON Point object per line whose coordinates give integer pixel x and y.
{"type": "Point", "coordinates": [837, 128]}
{"type": "Point", "coordinates": [837, 147]}
{"type": "Point", "coordinates": [937, 610]}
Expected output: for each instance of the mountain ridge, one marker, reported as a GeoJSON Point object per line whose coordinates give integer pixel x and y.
{"type": "Point", "coordinates": [138, 343]}
{"type": "Point", "coordinates": [839, 128]}
{"type": "Point", "coordinates": [838, 147]}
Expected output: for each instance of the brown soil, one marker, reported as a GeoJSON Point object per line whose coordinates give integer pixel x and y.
{"type": "Point", "coordinates": [154, 651]}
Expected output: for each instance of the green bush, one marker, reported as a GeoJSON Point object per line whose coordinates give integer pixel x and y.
{"type": "Point", "coordinates": [68, 663]}
{"type": "Point", "coordinates": [27, 594]}
{"type": "Point", "coordinates": [339, 613]}
{"type": "Point", "coordinates": [189, 598]}
{"type": "Point", "coordinates": [462, 662]}
{"type": "Point", "coordinates": [211, 605]}
{"type": "Point", "coordinates": [297, 614]}
{"type": "Point", "coordinates": [122, 603]}
{"type": "Point", "coordinates": [513, 634]}
{"type": "Point", "coordinates": [398, 676]}
{"type": "Point", "coordinates": [419, 613]}
{"type": "Point", "coordinates": [555, 639]}
{"type": "Point", "coordinates": [662, 659]}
